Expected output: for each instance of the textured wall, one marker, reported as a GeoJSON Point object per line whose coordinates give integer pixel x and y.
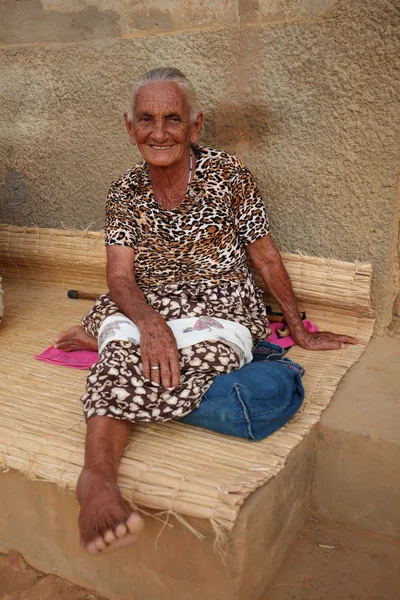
{"type": "Point", "coordinates": [305, 91]}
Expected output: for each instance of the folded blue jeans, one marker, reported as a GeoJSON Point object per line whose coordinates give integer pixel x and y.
{"type": "Point", "coordinates": [254, 401]}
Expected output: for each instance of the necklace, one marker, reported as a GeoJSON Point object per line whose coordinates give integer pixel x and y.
{"type": "Point", "coordinates": [190, 166]}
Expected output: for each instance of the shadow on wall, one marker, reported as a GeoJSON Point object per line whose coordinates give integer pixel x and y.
{"type": "Point", "coordinates": [234, 125]}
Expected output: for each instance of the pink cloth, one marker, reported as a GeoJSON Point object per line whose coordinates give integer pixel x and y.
{"type": "Point", "coordinates": [78, 359]}
{"type": "Point", "coordinates": [288, 341]}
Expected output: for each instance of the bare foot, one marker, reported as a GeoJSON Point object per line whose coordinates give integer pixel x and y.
{"type": "Point", "coordinates": [105, 521]}
{"type": "Point", "coordinates": [75, 338]}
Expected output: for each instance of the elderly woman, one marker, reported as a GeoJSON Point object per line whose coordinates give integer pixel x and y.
{"type": "Point", "coordinates": [182, 307]}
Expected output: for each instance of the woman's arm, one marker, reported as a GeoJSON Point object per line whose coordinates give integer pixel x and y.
{"type": "Point", "coordinates": [157, 343]}
{"type": "Point", "coordinates": [268, 262]}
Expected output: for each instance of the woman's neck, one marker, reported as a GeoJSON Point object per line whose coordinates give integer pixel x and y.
{"type": "Point", "coordinates": [170, 183]}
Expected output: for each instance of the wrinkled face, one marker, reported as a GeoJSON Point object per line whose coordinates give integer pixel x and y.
{"type": "Point", "coordinates": [161, 126]}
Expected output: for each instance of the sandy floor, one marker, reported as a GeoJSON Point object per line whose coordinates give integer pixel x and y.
{"type": "Point", "coordinates": [18, 581]}
{"type": "Point", "coordinates": [332, 562]}
{"type": "Point", "coordinates": [327, 562]}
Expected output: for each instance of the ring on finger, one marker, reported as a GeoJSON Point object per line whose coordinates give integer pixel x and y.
{"type": "Point", "coordinates": [155, 368]}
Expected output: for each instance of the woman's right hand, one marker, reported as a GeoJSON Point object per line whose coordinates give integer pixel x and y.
{"type": "Point", "coordinates": [158, 349]}
{"type": "Point", "coordinates": [157, 342]}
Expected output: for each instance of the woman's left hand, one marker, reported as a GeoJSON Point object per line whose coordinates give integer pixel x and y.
{"type": "Point", "coordinates": [322, 340]}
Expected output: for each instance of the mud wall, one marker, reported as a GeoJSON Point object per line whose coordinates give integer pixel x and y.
{"type": "Point", "coordinates": [304, 91]}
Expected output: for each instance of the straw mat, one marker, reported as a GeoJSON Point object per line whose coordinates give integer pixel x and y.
{"type": "Point", "coordinates": [170, 467]}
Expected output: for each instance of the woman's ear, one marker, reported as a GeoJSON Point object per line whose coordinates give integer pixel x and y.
{"type": "Point", "coordinates": [129, 128]}
{"type": "Point", "coordinates": [197, 126]}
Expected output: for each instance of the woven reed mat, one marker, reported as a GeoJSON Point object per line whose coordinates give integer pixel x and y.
{"type": "Point", "coordinates": [170, 467]}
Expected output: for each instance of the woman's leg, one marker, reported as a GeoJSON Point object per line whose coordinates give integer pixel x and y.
{"type": "Point", "coordinates": [75, 338]}
{"type": "Point", "coordinates": [106, 523]}
{"type": "Point", "coordinates": [84, 337]}
{"type": "Point", "coordinates": [116, 388]}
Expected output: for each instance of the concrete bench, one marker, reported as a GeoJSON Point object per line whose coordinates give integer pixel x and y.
{"type": "Point", "coordinates": [221, 512]}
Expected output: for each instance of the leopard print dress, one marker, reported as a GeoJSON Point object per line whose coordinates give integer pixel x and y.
{"type": "Point", "coordinates": [189, 262]}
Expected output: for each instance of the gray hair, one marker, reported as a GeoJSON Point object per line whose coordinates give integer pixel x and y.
{"type": "Point", "coordinates": [168, 75]}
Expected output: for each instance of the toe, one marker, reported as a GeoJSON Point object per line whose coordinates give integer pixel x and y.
{"type": "Point", "coordinates": [68, 346]}
{"type": "Point", "coordinates": [121, 530]}
{"type": "Point", "coordinates": [91, 548]}
{"type": "Point", "coordinates": [61, 337]}
{"type": "Point", "coordinates": [135, 524]}
{"type": "Point", "coordinates": [109, 536]}
{"type": "Point", "coordinates": [99, 544]}
{"type": "Point", "coordinates": [61, 345]}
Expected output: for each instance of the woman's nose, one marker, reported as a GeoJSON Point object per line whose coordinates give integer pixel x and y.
{"type": "Point", "coordinates": [159, 131]}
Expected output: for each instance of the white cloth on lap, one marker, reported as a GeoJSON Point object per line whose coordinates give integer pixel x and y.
{"type": "Point", "coordinates": [187, 332]}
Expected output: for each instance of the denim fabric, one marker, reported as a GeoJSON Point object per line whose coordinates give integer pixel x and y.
{"type": "Point", "coordinates": [254, 401]}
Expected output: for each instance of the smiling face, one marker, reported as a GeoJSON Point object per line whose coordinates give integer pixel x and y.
{"type": "Point", "coordinates": [161, 126]}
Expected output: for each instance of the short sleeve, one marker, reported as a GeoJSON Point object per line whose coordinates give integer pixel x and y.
{"type": "Point", "coordinates": [248, 207]}
{"type": "Point", "coordinates": [120, 226]}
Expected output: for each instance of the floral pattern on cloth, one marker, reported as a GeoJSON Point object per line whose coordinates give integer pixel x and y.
{"type": "Point", "coordinates": [117, 388]}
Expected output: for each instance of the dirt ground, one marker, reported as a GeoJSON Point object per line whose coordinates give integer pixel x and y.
{"type": "Point", "coordinates": [327, 562]}
{"type": "Point", "coordinates": [18, 581]}
{"type": "Point", "coordinates": [331, 562]}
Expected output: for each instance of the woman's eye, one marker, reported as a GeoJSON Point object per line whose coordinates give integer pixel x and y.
{"type": "Point", "coordinates": [174, 119]}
